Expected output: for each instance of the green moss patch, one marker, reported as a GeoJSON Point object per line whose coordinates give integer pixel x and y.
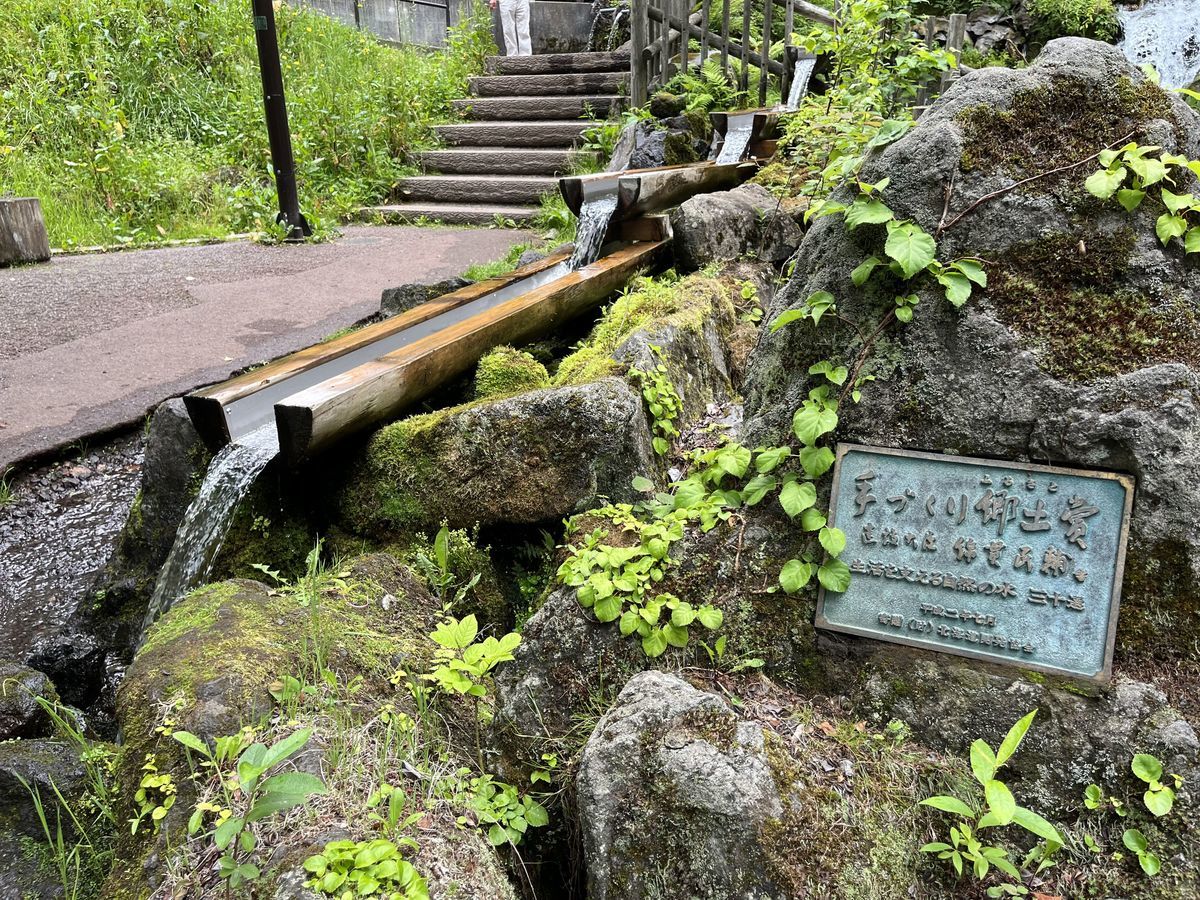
{"type": "Point", "coordinates": [1031, 133]}
{"type": "Point", "coordinates": [1059, 294]}
{"type": "Point", "coordinates": [506, 371]}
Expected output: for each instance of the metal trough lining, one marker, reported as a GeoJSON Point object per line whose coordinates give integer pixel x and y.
{"type": "Point", "coordinates": [644, 191]}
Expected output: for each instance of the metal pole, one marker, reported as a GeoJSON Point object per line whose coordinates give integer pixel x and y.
{"type": "Point", "coordinates": [278, 134]}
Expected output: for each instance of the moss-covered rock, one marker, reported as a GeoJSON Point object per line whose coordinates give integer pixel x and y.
{"type": "Point", "coordinates": [528, 459]}
{"type": "Point", "coordinates": [505, 371]}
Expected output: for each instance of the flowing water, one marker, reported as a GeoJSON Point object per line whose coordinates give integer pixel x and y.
{"type": "Point", "coordinates": [737, 139]}
{"type": "Point", "coordinates": [800, 78]}
{"type": "Point", "coordinates": [594, 218]}
{"type": "Point", "coordinates": [202, 532]}
{"type": "Point", "coordinates": [1165, 33]}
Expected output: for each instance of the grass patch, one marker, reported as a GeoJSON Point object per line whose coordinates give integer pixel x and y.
{"type": "Point", "coordinates": [136, 121]}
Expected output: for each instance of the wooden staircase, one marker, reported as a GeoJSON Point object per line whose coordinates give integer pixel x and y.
{"type": "Point", "coordinates": [522, 124]}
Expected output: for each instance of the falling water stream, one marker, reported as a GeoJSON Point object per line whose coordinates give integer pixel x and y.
{"type": "Point", "coordinates": [205, 524]}
{"type": "Point", "coordinates": [737, 139]}
{"type": "Point", "coordinates": [800, 79]}
{"type": "Point", "coordinates": [1165, 33]}
{"type": "Point", "coordinates": [594, 217]}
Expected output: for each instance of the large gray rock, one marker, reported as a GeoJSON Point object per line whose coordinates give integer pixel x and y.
{"type": "Point", "coordinates": [673, 794]}
{"type": "Point", "coordinates": [648, 143]}
{"type": "Point", "coordinates": [1082, 349]}
{"type": "Point", "coordinates": [727, 225]}
{"type": "Point", "coordinates": [45, 766]}
{"type": "Point", "coordinates": [21, 716]}
{"type": "Point", "coordinates": [526, 459]}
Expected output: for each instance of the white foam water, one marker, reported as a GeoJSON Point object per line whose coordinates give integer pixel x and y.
{"type": "Point", "coordinates": [1166, 34]}
{"type": "Point", "coordinates": [801, 76]}
{"type": "Point", "coordinates": [594, 218]}
{"type": "Point", "coordinates": [737, 138]}
{"type": "Point", "coordinates": [206, 523]}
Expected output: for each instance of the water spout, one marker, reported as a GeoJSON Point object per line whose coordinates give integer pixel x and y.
{"type": "Point", "coordinates": [594, 219]}
{"type": "Point", "coordinates": [1166, 34]}
{"type": "Point", "coordinates": [206, 523]}
{"type": "Point", "coordinates": [801, 76]}
{"type": "Point", "coordinates": [737, 138]}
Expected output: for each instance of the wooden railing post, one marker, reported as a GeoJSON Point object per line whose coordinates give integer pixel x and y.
{"type": "Point", "coordinates": [639, 27]}
{"type": "Point", "coordinates": [789, 69]}
{"type": "Point", "coordinates": [745, 77]}
{"type": "Point", "coordinates": [955, 37]}
{"type": "Point", "coordinates": [664, 55]}
{"type": "Point", "coordinates": [764, 69]}
{"type": "Point", "coordinates": [725, 37]}
{"type": "Point", "coordinates": [705, 11]}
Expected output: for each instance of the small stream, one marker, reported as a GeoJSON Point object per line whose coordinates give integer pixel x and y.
{"type": "Point", "coordinates": [202, 532]}
{"type": "Point", "coordinates": [1166, 34]}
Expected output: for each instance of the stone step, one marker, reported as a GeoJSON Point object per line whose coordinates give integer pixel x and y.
{"type": "Point", "coordinates": [551, 84]}
{"type": "Point", "coordinates": [525, 108]}
{"type": "Point", "coordinates": [451, 213]}
{"type": "Point", "coordinates": [515, 134]}
{"type": "Point", "coordinates": [499, 189]}
{"type": "Point", "coordinates": [500, 161]}
{"type": "Point", "coordinates": [549, 63]}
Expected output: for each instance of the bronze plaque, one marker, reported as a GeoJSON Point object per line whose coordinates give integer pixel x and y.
{"type": "Point", "coordinates": [1003, 561]}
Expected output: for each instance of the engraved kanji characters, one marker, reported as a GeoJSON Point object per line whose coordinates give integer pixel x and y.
{"type": "Point", "coordinates": [862, 492]}
{"type": "Point", "coordinates": [994, 549]}
{"type": "Point", "coordinates": [1024, 559]}
{"type": "Point", "coordinates": [1036, 519]}
{"type": "Point", "coordinates": [997, 507]}
{"type": "Point", "coordinates": [964, 549]}
{"type": "Point", "coordinates": [1075, 515]}
{"type": "Point", "coordinates": [1054, 561]}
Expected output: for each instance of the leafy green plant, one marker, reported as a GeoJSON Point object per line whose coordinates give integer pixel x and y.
{"type": "Point", "coordinates": [241, 769]}
{"type": "Point", "coordinates": [6, 491]}
{"type": "Point", "coordinates": [1130, 172]}
{"type": "Point", "coordinates": [1135, 842]}
{"type": "Point", "coordinates": [1158, 797]}
{"type": "Point", "coordinates": [463, 663]}
{"type": "Point", "coordinates": [707, 87]}
{"type": "Point", "coordinates": [1074, 18]}
{"type": "Point", "coordinates": [155, 795]}
{"type": "Point", "coordinates": [348, 869]}
{"type": "Point", "coordinates": [993, 807]}
{"type": "Point", "coordinates": [661, 399]}
{"type": "Point", "coordinates": [504, 811]}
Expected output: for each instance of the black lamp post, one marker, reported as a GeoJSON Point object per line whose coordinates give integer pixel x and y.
{"type": "Point", "coordinates": [278, 134]}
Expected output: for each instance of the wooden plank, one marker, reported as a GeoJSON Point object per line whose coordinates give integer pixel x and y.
{"type": "Point", "coordinates": [705, 12]}
{"type": "Point", "coordinates": [665, 55]}
{"type": "Point", "coordinates": [764, 66]}
{"type": "Point", "coordinates": [815, 13]}
{"type": "Point", "coordinates": [23, 237]}
{"type": "Point", "coordinates": [922, 99]}
{"type": "Point", "coordinates": [314, 419]}
{"type": "Point", "coordinates": [639, 24]}
{"type": "Point", "coordinates": [207, 404]}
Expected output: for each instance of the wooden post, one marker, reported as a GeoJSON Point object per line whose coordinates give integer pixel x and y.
{"type": "Point", "coordinates": [725, 37]}
{"type": "Point", "coordinates": [639, 23]}
{"type": "Point", "coordinates": [684, 34]}
{"type": "Point", "coordinates": [745, 78]}
{"type": "Point", "coordinates": [954, 43]}
{"type": "Point", "coordinates": [23, 237]}
{"type": "Point", "coordinates": [789, 63]}
{"type": "Point", "coordinates": [765, 66]}
{"type": "Point", "coordinates": [705, 11]}
{"type": "Point", "coordinates": [665, 54]}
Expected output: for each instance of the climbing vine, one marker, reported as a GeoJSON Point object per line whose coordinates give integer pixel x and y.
{"type": "Point", "coordinates": [1130, 172]}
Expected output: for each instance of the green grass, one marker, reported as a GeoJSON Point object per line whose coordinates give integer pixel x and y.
{"type": "Point", "coordinates": [141, 120]}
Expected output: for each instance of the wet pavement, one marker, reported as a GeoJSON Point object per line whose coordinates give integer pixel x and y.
{"type": "Point", "coordinates": [91, 343]}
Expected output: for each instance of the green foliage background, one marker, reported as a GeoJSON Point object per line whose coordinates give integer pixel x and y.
{"type": "Point", "coordinates": [135, 120]}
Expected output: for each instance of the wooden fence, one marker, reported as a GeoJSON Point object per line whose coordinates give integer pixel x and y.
{"type": "Point", "coordinates": [661, 30]}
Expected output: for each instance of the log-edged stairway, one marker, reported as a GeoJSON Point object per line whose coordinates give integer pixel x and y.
{"type": "Point", "coordinates": [523, 121]}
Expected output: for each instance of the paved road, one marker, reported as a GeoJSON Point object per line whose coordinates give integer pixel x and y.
{"type": "Point", "coordinates": [90, 343]}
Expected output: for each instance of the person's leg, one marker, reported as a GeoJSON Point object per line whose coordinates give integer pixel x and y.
{"type": "Point", "coordinates": [508, 10]}
{"type": "Point", "coordinates": [521, 26]}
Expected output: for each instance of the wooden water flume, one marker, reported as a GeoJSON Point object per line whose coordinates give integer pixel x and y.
{"type": "Point", "coordinates": [330, 390]}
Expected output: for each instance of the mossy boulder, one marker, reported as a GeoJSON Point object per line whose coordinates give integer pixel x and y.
{"type": "Point", "coordinates": [44, 764]}
{"type": "Point", "coordinates": [1081, 350]}
{"type": "Point", "coordinates": [21, 716]}
{"type": "Point", "coordinates": [527, 459]}
{"type": "Point", "coordinates": [728, 225]}
{"type": "Point", "coordinates": [209, 664]}
{"type": "Point", "coordinates": [506, 371]}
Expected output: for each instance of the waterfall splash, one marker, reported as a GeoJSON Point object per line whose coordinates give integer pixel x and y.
{"type": "Point", "coordinates": [1165, 33]}
{"type": "Point", "coordinates": [594, 217]}
{"type": "Point", "coordinates": [205, 524]}
{"type": "Point", "coordinates": [737, 139]}
{"type": "Point", "coordinates": [800, 79]}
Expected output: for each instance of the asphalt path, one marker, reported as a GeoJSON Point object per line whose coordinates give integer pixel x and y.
{"type": "Point", "coordinates": [91, 343]}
